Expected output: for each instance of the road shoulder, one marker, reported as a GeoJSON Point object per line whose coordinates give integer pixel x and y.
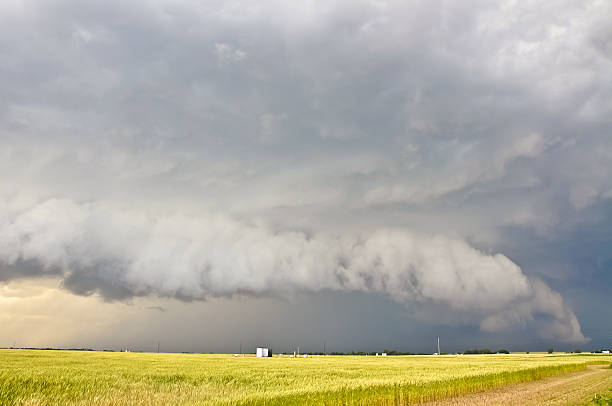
{"type": "Point", "coordinates": [566, 389]}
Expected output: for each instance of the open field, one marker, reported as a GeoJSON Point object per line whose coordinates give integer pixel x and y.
{"type": "Point", "coordinates": [575, 388]}
{"type": "Point", "coordinates": [71, 377]}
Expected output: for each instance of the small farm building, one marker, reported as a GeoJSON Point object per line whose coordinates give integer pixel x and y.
{"type": "Point", "coordinates": [263, 352]}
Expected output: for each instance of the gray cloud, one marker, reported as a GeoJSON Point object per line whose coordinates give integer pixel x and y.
{"type": "Point", "coordinates": [122, 254]}
{"type": "Point", "coordinates": [123, 125]}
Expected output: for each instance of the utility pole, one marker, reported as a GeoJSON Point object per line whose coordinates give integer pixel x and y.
{"type": "Point", "coordinates": [241, 348]}
{"type": "Point", "coordinates": [158, 347]}
{"type": "Point", "coordinates": [438, 345]}
{"type": "Point", "coordinates": [324, 343]}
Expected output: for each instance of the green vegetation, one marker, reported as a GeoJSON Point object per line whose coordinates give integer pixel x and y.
{"type": "Point", "coordinates": [82, 378]}
{"type": "Point", "coordinates": [486, 351]}
{"type": "Point", "coordinates": [602, 399]}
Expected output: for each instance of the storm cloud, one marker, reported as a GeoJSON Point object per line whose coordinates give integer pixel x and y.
{"type": "Point", "coordinates": [198, 149]}
{"type": "Point", "coordinates": [124, 254]}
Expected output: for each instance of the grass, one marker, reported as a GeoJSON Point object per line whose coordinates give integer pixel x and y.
{"type": "Point", "coordinates": [29, 377]}
{"type": "Point", "coordinates": [602, 399]}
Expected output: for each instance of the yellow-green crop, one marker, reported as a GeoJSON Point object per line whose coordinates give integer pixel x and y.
{"type": "Point", "coordinates": [84, 378]}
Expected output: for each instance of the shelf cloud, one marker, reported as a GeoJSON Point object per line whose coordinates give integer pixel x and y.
{"type": "Point", "coordinates": [120, 254]}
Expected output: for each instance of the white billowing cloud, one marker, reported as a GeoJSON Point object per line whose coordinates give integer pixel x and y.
{"type": "Point", "coordinates": [545, 301]}
{"type": "Point", "coordinates": [123, 253]}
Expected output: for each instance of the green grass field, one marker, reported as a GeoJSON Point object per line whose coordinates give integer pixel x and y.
{"type": "Point", "coordinates": [72, 377]}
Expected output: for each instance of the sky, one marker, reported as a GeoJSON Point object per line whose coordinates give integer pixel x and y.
{"type": "Point", "coordinates": [363, 175]}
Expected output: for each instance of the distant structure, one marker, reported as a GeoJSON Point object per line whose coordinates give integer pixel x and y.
{"type": "Point", "coordinates": [263, 352]}
{"type": "Point", "coordinates": [605, 352]}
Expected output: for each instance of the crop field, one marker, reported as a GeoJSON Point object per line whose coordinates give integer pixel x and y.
{"type": "Point", "coordinates": [31, 377]}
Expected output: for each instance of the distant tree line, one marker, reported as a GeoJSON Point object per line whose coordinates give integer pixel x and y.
{"type": "Point", "coordinates": [388, 352]}
{"type": "Point", "coordinates": [486, 351]}
{"type": "Point", "coordinates": [393, 352]}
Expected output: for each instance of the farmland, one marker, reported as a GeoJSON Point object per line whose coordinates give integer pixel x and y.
{"type": "Point", "coordinates": [70, 377]}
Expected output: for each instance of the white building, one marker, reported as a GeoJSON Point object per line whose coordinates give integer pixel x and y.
{"type": "Point", "coordinates": [263, 352]}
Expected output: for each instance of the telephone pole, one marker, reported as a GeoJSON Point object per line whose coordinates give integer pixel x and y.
{"type": "Point", "coordinates": [158, 347]}
{"type": "Point", "coordinates": [438, 345]}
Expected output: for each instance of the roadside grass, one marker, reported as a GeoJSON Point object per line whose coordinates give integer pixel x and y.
{"type": "Point", "coordinates": [30, 377]}
{"type": "Point", "coordinates": [602, 399]}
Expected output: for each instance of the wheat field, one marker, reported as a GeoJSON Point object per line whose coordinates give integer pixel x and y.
{"type": "Point", "coordinates": [37, 377]}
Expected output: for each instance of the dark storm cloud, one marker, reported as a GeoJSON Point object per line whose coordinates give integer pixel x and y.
{"type": "Point", "coordinates": [124, 124]}
{"type": "Point", "coordinates": [30, 268]}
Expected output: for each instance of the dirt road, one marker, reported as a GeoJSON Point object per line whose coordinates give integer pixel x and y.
{"type": "Point", "coordinates": [567, 389]}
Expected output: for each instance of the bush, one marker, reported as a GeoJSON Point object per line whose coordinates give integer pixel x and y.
{"type": "Point", "coordinates": [550, 350]}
